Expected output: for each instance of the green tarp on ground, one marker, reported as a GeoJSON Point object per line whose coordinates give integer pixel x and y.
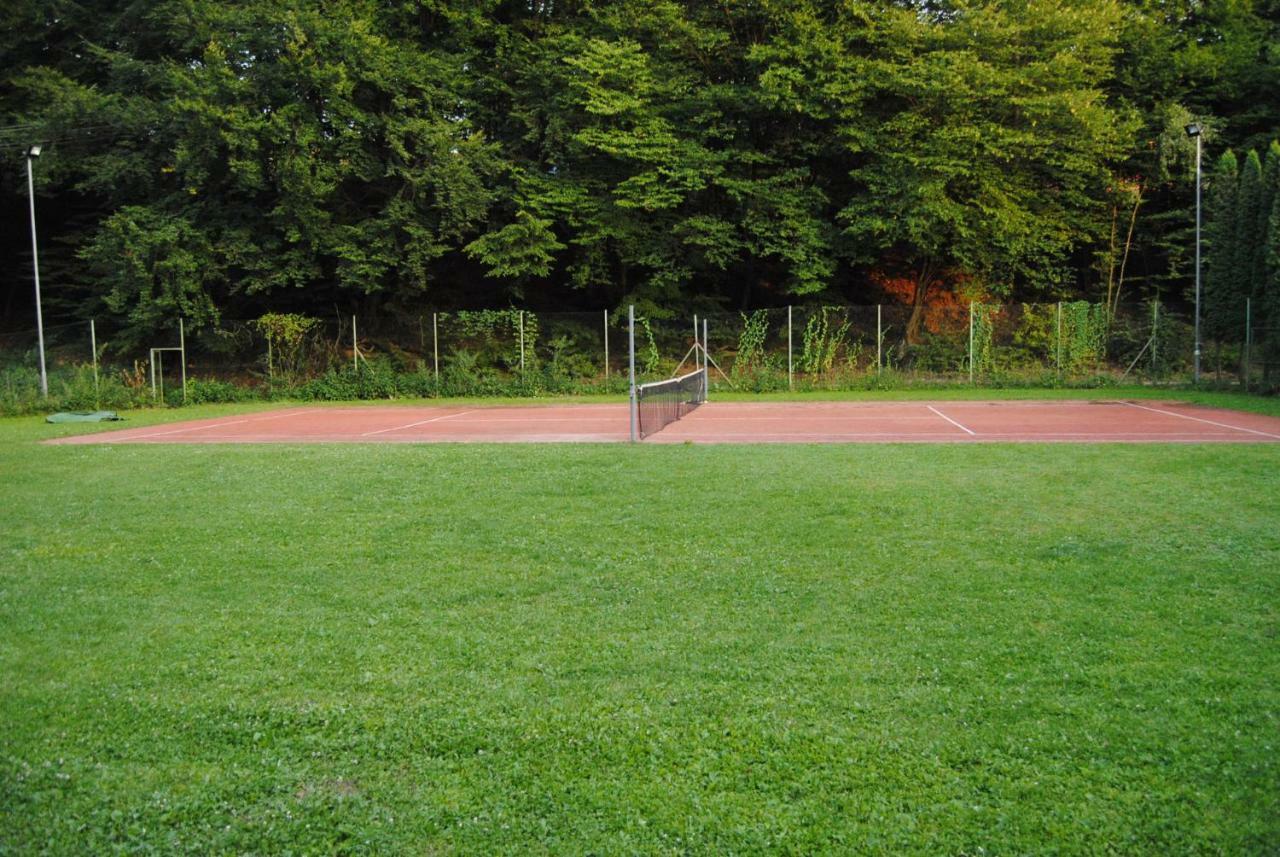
{"type": "Point", "coordinates": [83, 417]}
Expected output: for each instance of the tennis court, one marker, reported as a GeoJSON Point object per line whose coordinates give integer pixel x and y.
{"type": "Point", "coordinates": [1105, 421]}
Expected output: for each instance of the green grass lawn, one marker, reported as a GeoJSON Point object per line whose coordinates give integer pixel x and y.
{"type": "Point", "coordinates": [571, 649]}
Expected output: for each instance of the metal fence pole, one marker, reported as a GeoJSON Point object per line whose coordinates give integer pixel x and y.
{"type": "Point", "coordinates": [631, 348]}
{"type": "Point", "coordinates": [1248, 341]}
{"type": "Point", "coordinates": [1059, 348]}
{"type": "Point", "coordinates": [790, 369]}
{"type": "Point", "coordinates": [1155, 331]}
{"type": "Point", "coordinates": [435, 346]}
{"type": "Point", "coordinates": [696, 364]}
{"type": "Point", "coordinates": [706, 358]}
{"type": "Point", "coordinates": [879, 338]}
{"type": "Point", "coordinates": [606, 345]}
{"type": "Point", "coordinates": [521, 340]}
{"type": "Point", "coordinates": [182, 347]}
{"type": "Point", "coordinates": [93, 344]}
{"type": "Point", "coordinates": [970, 342]}
{"type": "Point", "coordinates": [355, 346]}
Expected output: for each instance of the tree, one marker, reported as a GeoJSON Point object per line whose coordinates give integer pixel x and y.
{"type": "Point", "coordinates": [1250, 218]}
{"type": "Point", "coordinates": [979, 139]}
{"type": "Point", "coordinates": [1223, 289]}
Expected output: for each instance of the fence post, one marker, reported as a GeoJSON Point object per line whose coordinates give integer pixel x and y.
{"type": "Point", "coordinates": [606, 345]}
{"type": "Point", "coordinates": [790, 366]}
{"type": "Point", "coordinates": [696, 365]}
{"type": "Point", "coordinates": [706, 358]}
{"type": "Point", "coordinates": [435, 346]}
{"type": "Point", "coordinates": [1155, 331]}
{"type": "Point", "coordinates": [93, 344]}
{"type": "Point", "coordinates": [522, 341]}
{"type": "Point", "coordinates": [970, 342]}
{"type": "Point", "coordinates": [1059, 344]}
{"type": "Point", "coordinates": [879, 338]}
{"type": "Point", "coordinates": [182, 346]}
{"type": "Point", "coordinates": [1248, 341]}
{"type": "Point", "coordinates": [631, 363]}
{"type": "Point", "coordinates": [355, 346]}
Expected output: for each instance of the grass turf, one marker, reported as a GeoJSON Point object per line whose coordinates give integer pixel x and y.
{"type": "Point", "coordinates": [525, 649]}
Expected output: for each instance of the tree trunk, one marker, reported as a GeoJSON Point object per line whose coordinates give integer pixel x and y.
{"type": "Point", "coordinates": [918, 304]}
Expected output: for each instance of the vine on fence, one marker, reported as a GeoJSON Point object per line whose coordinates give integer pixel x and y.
{"type": "Point", "coordinates": [647, 356]}
{"type": "Point", "coordinates": [1083, 339]}
{"type": "Point", "coordinates": [287, 336]}
{"type": "Point", "coordinates": [982, 338]}
{"type": "Point", "coordinates": [822, 339]}
{"type": "Point", "coordinates": [495, 335]}
{"type": "Point", "coordinates": [751, 356]}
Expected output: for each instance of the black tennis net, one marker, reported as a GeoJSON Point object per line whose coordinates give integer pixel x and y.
{"type": "Point", "coordinates": [661, 403]}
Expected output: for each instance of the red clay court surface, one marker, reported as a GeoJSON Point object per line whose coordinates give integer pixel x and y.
{"type": "Point", "coordinates": [725, 422]}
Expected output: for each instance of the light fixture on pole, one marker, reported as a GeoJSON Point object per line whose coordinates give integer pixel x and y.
{"type": "Point", "coordinates": [1195, 130]}
{"type": "Point", "coordinates": [32, 153]}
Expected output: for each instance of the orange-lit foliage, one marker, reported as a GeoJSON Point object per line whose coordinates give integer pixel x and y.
{"type": "Point", "coordinates": [947, 304]}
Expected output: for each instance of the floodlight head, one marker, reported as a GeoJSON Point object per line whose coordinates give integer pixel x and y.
{"type": "Point", "coordinates": [1194, 129]}
{"type": "Point", "coordinates": [33, 152]}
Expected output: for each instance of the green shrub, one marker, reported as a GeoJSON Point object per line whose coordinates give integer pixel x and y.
{"type": "Point", "coordinates": [210, 390]}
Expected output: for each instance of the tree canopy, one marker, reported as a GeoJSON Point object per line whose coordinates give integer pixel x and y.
{"type": "Point", "coordinates": [228, 159]}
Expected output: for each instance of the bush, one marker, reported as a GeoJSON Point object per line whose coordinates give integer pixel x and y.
{"type": "Point", "coordinates": [209, 391]}
{"type": "Point", "coordinates": [71, 388]}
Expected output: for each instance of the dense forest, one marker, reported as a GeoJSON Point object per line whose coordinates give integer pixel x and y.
{"type": "Point", "coordinates": [228, 159]}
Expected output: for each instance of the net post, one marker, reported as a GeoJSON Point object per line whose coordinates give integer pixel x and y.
{"type": "Point", "coordinates": [791, 385]}
{"type": "Point", "coordinates": [631, 348]}
{"type": "Point", "coordinates": [93, 344]}
{"type": "Point", "coordinates": [182, 347]}
{"type": "Point", "coordinates": [435, 346]}
{"type": "Point", "coordinates": [151, 360]}
{"type": "Point", "coordinates": [706, 357]}
{"type": "Point", "coordinates": [606, 345]}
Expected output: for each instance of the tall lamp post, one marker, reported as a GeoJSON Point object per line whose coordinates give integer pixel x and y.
{"type": "Point", "coordinates": [1194, 130]}
{"type": "Point", "coordinates": [33, 153]}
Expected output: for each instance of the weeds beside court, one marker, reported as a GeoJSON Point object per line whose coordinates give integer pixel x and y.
{"type": "Point", "coordinates": [561, 649]}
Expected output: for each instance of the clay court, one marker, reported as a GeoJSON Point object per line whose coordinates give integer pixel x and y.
{"type": "Point", "coordinates": [728, 422]}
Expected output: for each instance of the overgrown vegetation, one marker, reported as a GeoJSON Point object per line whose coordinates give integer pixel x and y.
{"type": "Point", "coordinates": [212, 160]}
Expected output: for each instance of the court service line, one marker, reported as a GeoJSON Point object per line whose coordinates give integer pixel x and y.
{"type": "Point", "coordinates": [418, 423]}
{"type": "Point", "coordinates": [948, 419]}
{"type": "Point", "coordinates": [1201, 420]}
{"type": "Point", "coordinates": [214, 425]}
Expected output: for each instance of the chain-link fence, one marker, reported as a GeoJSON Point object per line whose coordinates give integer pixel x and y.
{"type": "Point", "coordinates": [518, 352]}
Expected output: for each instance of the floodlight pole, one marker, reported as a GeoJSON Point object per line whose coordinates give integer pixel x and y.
{"type": "Point", "coordinates": [34, 152]}
{"type": "Point", "coordinates": [1194, 130]}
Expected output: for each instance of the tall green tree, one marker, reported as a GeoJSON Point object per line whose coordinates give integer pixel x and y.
{"type": "Point", "coordinates": [1250, 220]}
{"type": "Point", "coordinates": [980, 138]}
{"type": "Point", "coordinates": [1269, 192]}
{"type": "Point", "coordinates": [1224, 289]}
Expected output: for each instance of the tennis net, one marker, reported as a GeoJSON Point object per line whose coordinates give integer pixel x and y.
{"type": "Point", "coordinates": [661, 403]}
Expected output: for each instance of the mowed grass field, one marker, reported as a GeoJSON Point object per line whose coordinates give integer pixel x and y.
{"type": "Point", "coordinates": [587, 649]}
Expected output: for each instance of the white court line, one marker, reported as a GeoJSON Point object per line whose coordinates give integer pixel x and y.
{"type": "Point", "coordinates": [418, 423]}
{"type": "Point", "coordinates": [1200, 420]}
{"type": "Point", "coordinates": [948, 419]}
{"type": "Point", "coordinates": [214, 425]}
